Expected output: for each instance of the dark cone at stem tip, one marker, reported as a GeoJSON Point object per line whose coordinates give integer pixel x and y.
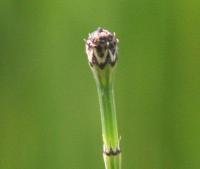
{"type": "Point", "coordinates": [101, 48]}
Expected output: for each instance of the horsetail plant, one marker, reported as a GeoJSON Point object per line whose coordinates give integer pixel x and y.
{"type": "Point", "coordinates": [101, 50]}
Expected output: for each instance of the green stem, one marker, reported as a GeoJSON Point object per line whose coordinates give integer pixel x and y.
{"type": "Point", "coordinates": [112, 155]}
{"type": "Point", "coordinates": [108, 116]}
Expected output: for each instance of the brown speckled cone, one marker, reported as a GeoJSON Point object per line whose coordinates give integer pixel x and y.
{"type": "Point", "coordinates": [101, 48]}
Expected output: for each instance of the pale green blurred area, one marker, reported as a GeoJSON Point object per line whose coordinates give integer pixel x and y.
{"type": "Point", "coordinates": [49, 112]}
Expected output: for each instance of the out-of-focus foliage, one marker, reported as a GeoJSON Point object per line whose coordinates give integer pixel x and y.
{"type": "Point", "coordinates": [49, 112]}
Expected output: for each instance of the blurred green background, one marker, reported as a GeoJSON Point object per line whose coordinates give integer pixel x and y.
{"type": "Point", "coordinates": [49, 112]}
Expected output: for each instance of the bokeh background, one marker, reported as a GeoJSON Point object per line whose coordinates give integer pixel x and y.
{"type": "Point", "coordinates": [49, 112]}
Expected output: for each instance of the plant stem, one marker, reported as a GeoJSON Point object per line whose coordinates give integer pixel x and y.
{"type": "Point", "coordinates": [104, 82]}
{"type": "Point", "coordinates": [108, 116]}
{"type": "Point", "coordinates": [101, 49]}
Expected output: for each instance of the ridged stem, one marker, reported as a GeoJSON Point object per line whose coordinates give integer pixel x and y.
{"type": "Point", "coordinates": [111, 149]}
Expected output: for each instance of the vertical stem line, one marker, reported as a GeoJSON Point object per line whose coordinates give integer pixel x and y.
{"type": "Point", "coordinates": [108, 116]}
{"type": "Point", "coordinates": [104, 82]}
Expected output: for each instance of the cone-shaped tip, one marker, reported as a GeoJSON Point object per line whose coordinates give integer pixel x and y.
{"type": "Point", "coordinates": [101, 48]}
